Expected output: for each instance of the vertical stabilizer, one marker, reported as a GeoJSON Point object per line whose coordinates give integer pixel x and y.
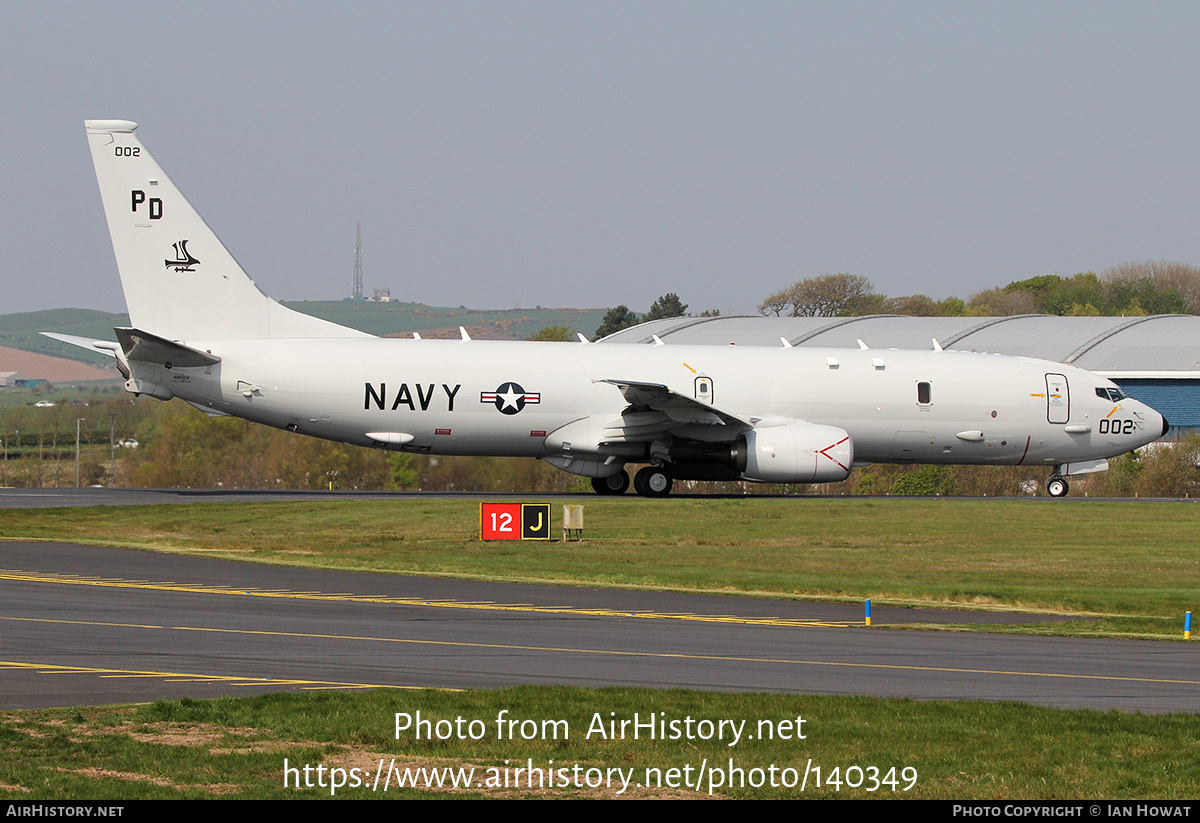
{"type": "Point", "coordinates": [180, 282]}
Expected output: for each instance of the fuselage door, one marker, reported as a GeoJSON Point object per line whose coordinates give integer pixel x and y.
{"type": "Point", "coordinates": [1058, 399]}
{"type": "Point", "coordinates": [704, 389]}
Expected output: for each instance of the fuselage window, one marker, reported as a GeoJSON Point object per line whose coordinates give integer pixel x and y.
{"type": "Point", "coordinates": [924, 394]}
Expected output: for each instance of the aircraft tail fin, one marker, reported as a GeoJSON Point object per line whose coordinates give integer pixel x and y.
{"type": "Point", "coordinates": [180, 281]}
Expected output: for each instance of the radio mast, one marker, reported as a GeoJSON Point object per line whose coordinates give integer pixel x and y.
{"type": "Point", "coordinates": [356, 290]}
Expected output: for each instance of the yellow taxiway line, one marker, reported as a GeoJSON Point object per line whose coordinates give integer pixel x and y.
{"type": "Point", "coordinates": [567, 650]}
{"type": "Point", "coordinates": [191, 588]}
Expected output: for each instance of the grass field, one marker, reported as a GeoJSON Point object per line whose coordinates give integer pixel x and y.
{"type": "Point", "coordinates": [236, 748]}
{"type": "Point", "coordinates": [1130, 568]}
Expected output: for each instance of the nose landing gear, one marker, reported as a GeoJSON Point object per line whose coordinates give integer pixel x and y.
{"type": "Point", "coordinates": [1057, 486]}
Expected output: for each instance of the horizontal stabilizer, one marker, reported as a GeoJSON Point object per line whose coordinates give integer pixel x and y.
{"type": "Point", "coordinates": [104, 346]}
{"type": "Point", "coordinates": [149, 348]}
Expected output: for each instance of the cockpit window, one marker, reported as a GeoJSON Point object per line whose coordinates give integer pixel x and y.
{"type": "Point", "coordinates": [1106, 393]}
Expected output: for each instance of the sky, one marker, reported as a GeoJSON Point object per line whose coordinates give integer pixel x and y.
{"type": "Point", "coordinates": [588, 154]}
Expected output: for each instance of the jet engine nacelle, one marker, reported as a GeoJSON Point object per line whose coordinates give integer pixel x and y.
{"type": "Point", "coordinates": [795, 453]}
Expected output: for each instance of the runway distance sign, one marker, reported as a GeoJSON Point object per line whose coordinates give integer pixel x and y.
{"type": "Point", "coordinates": [514, 521]}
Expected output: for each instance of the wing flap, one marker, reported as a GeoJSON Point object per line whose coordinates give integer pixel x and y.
{"type": "Point", "coordinates": [682, 410]}
{"type": "Point", "coordinates": [656, 409]}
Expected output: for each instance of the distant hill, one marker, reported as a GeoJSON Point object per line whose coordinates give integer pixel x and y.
{"type": "Point", "coordinates": [54, 369]}
{"type": "Point", "coordinates": [20, 331]}
{"type": "Point", "coordinates": [395, 319]}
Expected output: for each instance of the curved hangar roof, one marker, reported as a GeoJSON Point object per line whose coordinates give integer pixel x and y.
{"type": "Point", "coordinates": [1165, 346]}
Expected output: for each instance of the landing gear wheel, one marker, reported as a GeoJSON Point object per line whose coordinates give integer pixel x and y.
{"type": "Point", "coordinates": [1057, 487]}
{"type": "Point", "coordinates": [613, 484]}
{"type": "Point", "coordinates": [652, 481]}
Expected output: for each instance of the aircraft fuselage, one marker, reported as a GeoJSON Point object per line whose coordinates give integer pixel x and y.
{"type": "Point", "coordinates": [475, 397]}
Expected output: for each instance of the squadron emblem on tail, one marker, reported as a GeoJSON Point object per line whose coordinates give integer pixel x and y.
{"type": "Point", "coordinates": [183, 259]}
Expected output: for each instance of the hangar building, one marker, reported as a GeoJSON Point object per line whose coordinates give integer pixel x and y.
{"type": "Point", "coordinates": [1155, 359]}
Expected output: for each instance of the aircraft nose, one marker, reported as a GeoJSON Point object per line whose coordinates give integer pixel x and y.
{"type": "Point", "coordinates": [1166, 426]}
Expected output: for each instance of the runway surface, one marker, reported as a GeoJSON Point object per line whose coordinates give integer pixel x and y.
{"type": "Point", "coordinates": [97, 496]}
{"type": "Point", "coordinates": [89, 625]}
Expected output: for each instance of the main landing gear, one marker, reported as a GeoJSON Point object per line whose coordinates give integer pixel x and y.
{"type": "Point", "coordinates": [1057, 486]}
{"type": "Point", "coordinates": [652, 481]}
{"type": "Point", "coordinates": [613, 484]}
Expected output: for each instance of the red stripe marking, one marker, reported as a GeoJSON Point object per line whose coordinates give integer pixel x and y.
{"type": "Point", "coordinates": [835, 445]}
{"type": "Point", "coordinates": [1022, 460]}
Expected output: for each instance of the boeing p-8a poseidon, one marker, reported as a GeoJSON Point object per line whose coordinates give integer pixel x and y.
{"type": "Point", "coordinates": [202, 331]}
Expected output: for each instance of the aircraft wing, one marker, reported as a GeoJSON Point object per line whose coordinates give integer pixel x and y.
{"type": "Point", "coordinates": [655, 409]}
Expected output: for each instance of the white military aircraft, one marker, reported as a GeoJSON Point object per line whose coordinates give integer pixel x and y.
{"type": "Point", "coordinates": [203, 332]}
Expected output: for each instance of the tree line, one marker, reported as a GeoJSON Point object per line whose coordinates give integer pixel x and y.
{"type": "Point", "coordinates": [181, 447]}
{"type": "Point", "coordinates": [1130, 289]}
{"type": "Point", "coordinates": [622, 317]}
